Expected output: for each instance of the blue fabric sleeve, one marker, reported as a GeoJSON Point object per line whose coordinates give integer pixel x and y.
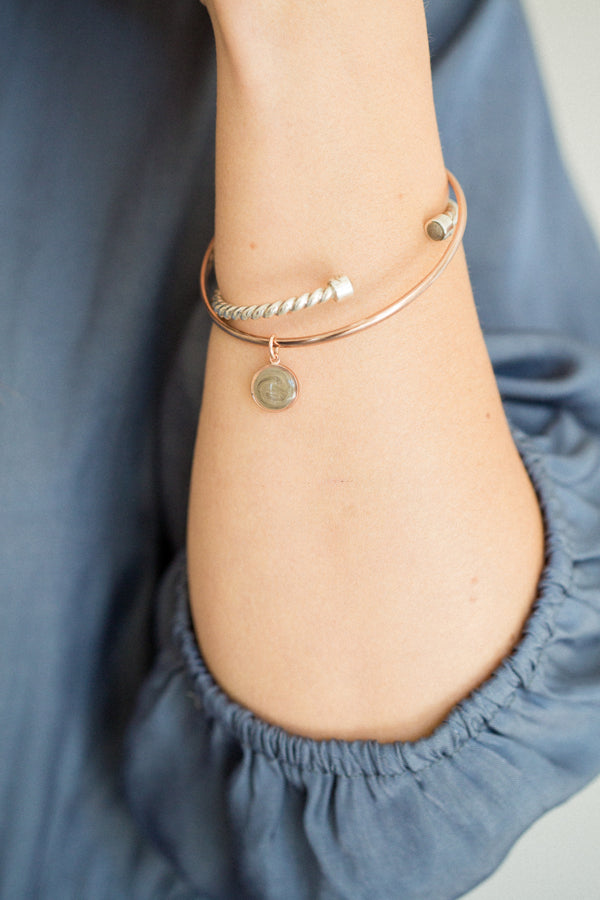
{"type": "Point", "coordinates": [258, 808]}
{"type": "Point", "coordinates": [264, 814]}
{"type": "Point", "coordinates": [106, 204]}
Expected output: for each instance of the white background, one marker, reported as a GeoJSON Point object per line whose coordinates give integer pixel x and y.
{"type": "Point", "coordinates": [559, 857]}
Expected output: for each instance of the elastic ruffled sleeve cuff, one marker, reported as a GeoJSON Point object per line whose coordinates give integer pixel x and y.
{"type": "Point", "coordinates": [271, 814]}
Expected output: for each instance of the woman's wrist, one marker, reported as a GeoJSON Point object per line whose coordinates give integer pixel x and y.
{"type": "Point", "coordinates": [344, 184]}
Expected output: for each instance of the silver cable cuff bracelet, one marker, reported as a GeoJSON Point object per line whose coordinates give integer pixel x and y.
{"type": "Point", "coordinates": [439, 228]}
{"type": "Point", "coordinates": [336, 289]}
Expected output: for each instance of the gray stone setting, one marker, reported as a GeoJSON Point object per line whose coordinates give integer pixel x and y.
{"type": "Point", "coordinates": [274, 387]}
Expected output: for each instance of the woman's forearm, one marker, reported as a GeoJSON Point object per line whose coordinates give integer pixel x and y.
{"type": "Point", "coordinates": [361, 561]}
{"type": "Point", "coordinates": [328, 155]}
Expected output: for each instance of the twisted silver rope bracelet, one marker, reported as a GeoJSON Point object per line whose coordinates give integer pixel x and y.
{"type": "Point", "coordinates": [337, 289]}
{"type": "Point", "coordinates": [274, 386]}
{"type": "Point", "coordinates": [439, 228]}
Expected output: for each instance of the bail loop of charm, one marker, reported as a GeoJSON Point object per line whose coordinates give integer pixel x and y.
{"type": "Point", "coordinates": [274, 387]}
{"type": "Point", "coordinates": [274, 350]}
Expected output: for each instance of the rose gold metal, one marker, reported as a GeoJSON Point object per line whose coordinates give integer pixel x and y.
{"type": "Point", "coordinates": [274, 350]}
{"type": "Point", "coordinates": [361, 324]}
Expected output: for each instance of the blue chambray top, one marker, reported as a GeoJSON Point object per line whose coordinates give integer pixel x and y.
{"type": "Point", "coordinates": [126, 773]}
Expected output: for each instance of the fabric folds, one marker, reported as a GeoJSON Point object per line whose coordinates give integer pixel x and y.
{"type": "Point", "coordinates": [107, 115]}
{"type": "Point", "coordinates": [267, 814]}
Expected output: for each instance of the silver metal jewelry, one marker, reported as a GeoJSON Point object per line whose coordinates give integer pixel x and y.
{"type": "Point", "coordinates": [441, 227]}
{"type": "Point", "coordinates": [337, 289]}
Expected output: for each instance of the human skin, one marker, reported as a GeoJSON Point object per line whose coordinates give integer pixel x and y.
{"type": "Point", "coordinates": [360, 562]}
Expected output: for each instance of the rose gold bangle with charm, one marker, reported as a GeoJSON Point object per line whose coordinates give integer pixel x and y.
{"type": "Point", "coordinates": [275, 387]}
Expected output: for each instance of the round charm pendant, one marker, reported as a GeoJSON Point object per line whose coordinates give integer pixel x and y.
{"type": "Point", "coordinates": [274, 387]}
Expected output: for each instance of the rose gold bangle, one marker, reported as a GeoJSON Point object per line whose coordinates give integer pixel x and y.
{"type": "Point", "coordinates": [275, 387]}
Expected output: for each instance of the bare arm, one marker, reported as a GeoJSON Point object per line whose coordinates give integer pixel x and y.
{"type": "Point", "coordinates": [360, 562]}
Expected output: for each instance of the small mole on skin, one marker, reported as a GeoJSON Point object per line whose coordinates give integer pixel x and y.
{"type": "Point", "coordinates": [488, 415]}
{"type": "Point", "coordinates": [474, 581]}
{"type": "Point", "coordinates": [252, 245]}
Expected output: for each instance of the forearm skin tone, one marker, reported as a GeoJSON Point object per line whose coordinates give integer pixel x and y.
{"type": "Point", "coordinates": [361, 561]}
